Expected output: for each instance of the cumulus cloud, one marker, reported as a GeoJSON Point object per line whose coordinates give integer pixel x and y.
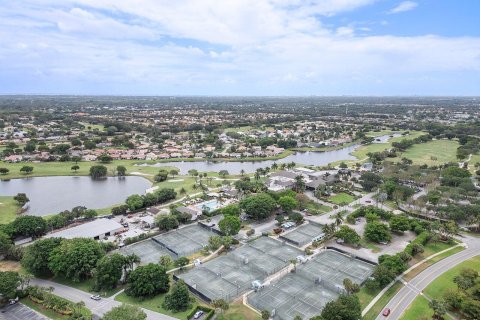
{"type": "Point", "coordinates": [213, 47]}
{"type": "Point", "coordinates": [403, 7]}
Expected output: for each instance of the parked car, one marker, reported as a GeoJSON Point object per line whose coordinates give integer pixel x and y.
{"type": "Point", "coordinates": [198, 314]}
{"type": "Point", "coordinates": [386, 312]}
{"type": "Point", "coordinates": [95, 297]}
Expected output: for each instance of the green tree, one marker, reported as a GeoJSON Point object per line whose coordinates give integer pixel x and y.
{"type": "Point", "coordinates": [220, 304]}
{"type": "Point", "coordinates": [166, 222]}
{"type": "Point", "coordinates": [134, 202]}
{"type": "Point", "coordinates": [9, 282]}
{"type": "Point", "coordinates": [258, 206]}
{"type": "Point", "coordinates": [75, 167]}
{"type": "Point", "coordinates": [5, 243]}
{"type": "Point", "coordinates": [105, 158]}
{"type": "Point", "coordinates": [26, 169]}
{"type": "Point", "coordinates": [178, 299]}
{"type": "Point", "coordinates": [121, 171]}
{"type": "Point", "coordinates": [109, 271]}
{"type": "Point", "coordinates": [399, 223]}
{"type": "Point", "coordinates": [165, 261]}
{"type": "Point", "coordinates": [125, 312]}
{"type": "Point", "coordinates": [214, 242]}
{"type": "Point", "coordinates": [35, 257]}
{"type": "Point", "coordinates": [453, 298]}
{"type": "Point", "coordinates": [29, 226]}
{"type": "Point", "coordinates": [288, 203]}
{"type": "Point", "coordinates": [350, 286]}
{"type": "Point", "coordinates": [223, 173]}
{"type": "Point", "coordinates": [98, 171]}
{"type": "Point", "coordinates": [146, 281]}
{"type": "Point", "coordinates": [231, 210]}
{"type": "Point", "coordinates": [4, 171]}
{"type": "Point", "coordinates": [75, 258]}
{"type": "Point", "coordinates": [162, 175]}
{"type": "Point", "coordinates": [230, 225]}
{"type": "Point", "coordinates": [265, 315]}
{"type": "Point", "coordinates": [370, 181]}
{"type": "Point", "coordinates": [348, 235]}
{"type": "Point", "coordinates": [377, 232]}
{"type": "Point", "coordinates": [181, 262]}
{"type": "Point", "coordinates": [21, 199]}
{"type": "Point", "coordinates": [439, 308]}
{"type": "Point", "coordinates": [344, 308]}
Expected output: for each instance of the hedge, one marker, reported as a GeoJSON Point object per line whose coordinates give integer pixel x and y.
{"type": "Point", "coordinates": [210, 312]}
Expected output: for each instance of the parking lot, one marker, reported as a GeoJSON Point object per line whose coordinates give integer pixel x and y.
{"type": "Point", "coordinates": [19, 311]}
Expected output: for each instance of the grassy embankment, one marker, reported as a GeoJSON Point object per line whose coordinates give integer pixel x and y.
{"type": "Point", "coordinates": [419, 308]}
{"type": "Point", "coordinates": [8, 209]}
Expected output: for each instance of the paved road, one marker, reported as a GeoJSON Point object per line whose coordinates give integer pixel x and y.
{"type": "Point", "coordinates": [99, 308]}
{"type": "Point", "coordinates": [402, 300]}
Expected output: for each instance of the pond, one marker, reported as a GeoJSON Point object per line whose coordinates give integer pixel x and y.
{"type": "Point", "coordinates": [234, 167]}
{"type": "Point", "coordinates": [315, 158]}
{"type": "Point", "coordinates": [51, 195]}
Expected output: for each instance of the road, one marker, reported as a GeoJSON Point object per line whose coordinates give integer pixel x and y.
{"type": "Point", "coordinates": [98, 308]}
{"type": "Point", "coordinates": [402, 300]}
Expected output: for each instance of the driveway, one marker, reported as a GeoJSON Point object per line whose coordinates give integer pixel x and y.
{"type": "Point", "coordinates": [402, 300]}
{"type": "Point", "coordinates": [98, 308]}
{"type": "Point", "coordinates": [19, 311]}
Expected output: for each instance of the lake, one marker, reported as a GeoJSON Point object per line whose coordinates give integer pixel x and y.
{"type": "Point", "coordinates": [51, 195]}
{"type": "Point", "coordinates": [234, 167]}
{"type": "Point", "coordinates": [315, 158]}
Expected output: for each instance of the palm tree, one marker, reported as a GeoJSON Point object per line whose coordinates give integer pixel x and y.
{"type": "Point", "coordinates": [129, 263]}
{"type": "Point", "coordinates": [257, 175]}
{"type": "Point", "coordinates": [242, 172]}
{"type": "Point", "coordinates": [283, 166]}
{"type": "Point", "coordinates": [338, 219]}
{"type": "Point", "coordinates": [299, 183]}
{"type": "Point", "coordinates": [274, 166]}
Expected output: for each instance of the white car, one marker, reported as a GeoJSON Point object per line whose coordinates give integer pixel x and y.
{"type": "Point", "coordinates": [95, 297]}
{"type": "Point", "coordinates": [198, 314]}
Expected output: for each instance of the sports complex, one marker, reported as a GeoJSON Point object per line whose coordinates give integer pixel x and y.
{"type": "Point", "coordinates": [177, 243]}
{"type": "Point", "coordinates": [305, 291]}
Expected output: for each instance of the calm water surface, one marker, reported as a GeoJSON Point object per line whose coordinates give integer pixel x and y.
{"type": "Point", "coordinates": [51, 195]}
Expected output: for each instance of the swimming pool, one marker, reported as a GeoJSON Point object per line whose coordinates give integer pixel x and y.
{"type": "Point", "coordinates": [209, 205]}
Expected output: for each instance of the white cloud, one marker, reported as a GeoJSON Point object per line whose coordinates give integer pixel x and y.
{"type": "Point", "coordinates": [403, 7]}
{"type": "Point", "coordinates": [243, 45]}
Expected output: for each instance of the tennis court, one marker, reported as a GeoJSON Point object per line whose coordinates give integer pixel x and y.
{"type": "Point", "coordinates": [314, 283]}
{"type": "Point", "coordinates": [228, 276]}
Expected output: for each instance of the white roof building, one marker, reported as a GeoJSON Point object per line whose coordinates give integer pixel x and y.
{"type": "Point", "coordinates": [96, 229]}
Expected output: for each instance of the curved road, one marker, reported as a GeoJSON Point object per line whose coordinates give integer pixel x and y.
{"type": "Point", "coordinates": [98, 308]}
{"type": "Point", "coordinates": [402, 300]}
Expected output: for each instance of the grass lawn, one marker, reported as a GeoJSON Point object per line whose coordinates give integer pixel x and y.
{"type": "Point", "coordinates": [239, 311]}
{"type": "Point", "coordinates": [155, 304]}
{"type": "Point", "coordinates": [428, 263]}
{"type": "Point", "coordinates": [8, 209]}
{"type": "Point", "coordinates": [382, 302]}
{"type": "Point", "coordinates": [313, 206]}
{"type": "Point", "coordinates": [42, 310]}
{"type": "Point", "coordinates": [471, 164]}
{"type": "Point", "coordinates": [431, 153]}
{"type": "Point", "coordinates": [42, 169]}
{"type": "Point", "coordinates": [100, 127]}
{"type": "Point", "coordinates": [361, 152]}
{"type": "Point", "coordinates": [419, 308]}
{"type": "Point", "coordinates": [431, 248]}
{"type": "Point", "coordinates": [340, 198]}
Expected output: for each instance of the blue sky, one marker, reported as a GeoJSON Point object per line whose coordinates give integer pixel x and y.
{"type": "Point", "coordinates": [240, 47]}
